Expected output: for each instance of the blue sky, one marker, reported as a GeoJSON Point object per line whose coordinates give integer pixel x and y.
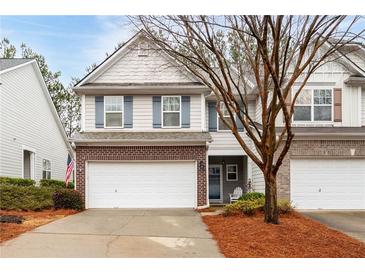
{"type": "Point", "coordinates": [69, 43]}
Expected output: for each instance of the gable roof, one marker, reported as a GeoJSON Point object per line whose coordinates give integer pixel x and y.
{"type": "Point", "coordinates": [118, 55]}
{"type": "Point", "coordinates": [18, 63]}
{"type": "Point", "coordinates": [11, 63]}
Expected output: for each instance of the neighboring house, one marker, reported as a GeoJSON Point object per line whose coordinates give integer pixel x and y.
{"type": "Point", "coordinates": [150, 137]}
{"type": "Point", "coordinates": [33, 143]}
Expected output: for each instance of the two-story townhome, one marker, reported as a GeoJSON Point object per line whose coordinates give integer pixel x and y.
{"type": "Point", "coordinates": [33, 142]}
{"type": "Point", "coordinates": [150, 137]}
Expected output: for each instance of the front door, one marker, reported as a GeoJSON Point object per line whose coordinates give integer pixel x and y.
{"type": "Point", "coordinates": [215, 180]}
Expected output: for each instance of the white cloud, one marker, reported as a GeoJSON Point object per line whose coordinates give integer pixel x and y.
{"type": "Point", "coordinates": [113, 30]}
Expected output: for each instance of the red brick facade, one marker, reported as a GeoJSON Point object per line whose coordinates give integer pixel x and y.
{"type": "Point", "coordinates": [143, 153]}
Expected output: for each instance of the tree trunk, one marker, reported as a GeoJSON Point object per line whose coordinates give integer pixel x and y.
{"type": "Point", "coordinates": [271, 206]}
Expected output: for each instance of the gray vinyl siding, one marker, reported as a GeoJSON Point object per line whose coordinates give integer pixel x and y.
{"type": "Point", "coordinates": [142, 114]}
{"type": "Point", "coordinates": [26, 120]}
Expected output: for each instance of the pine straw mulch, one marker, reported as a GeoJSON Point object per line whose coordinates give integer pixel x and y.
{"type": "Point", "coordinates": [32, 220]}
{"type": "Point", "coordinates": [295, 237]}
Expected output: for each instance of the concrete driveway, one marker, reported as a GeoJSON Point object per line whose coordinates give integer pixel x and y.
{"type": "Point", "coordinates": [351, 223]}
{"type": "Point", "coordinates": [118, 233]}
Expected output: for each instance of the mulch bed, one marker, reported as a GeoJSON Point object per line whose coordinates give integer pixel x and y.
{"type": "Point", "coordinates": [295, 237]}
{"type": "Point", "coordinates": [31, 220]}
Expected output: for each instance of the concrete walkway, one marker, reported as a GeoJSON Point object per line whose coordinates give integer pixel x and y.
{"type": "Point", "coordinates": [351, 223]}
{"type": "Point", "coordinates": [118, 233]}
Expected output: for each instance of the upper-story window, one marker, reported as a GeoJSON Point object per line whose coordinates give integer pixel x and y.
{"type": "Point", "coordinates": [113, 111]}
{"type": "Point", "coordinates": [46, 169]}
{"type": "Point", "coordinates": [171, 111]}
{"type": "Point", "coordinates": [314, 105]}
{"type": "Point", "coordinates": [221, 125]}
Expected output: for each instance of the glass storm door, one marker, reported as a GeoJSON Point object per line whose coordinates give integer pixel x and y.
{"type": "Point", "coordinates": [215, 182]}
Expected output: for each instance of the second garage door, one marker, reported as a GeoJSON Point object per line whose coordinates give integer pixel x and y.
{"type": "Point", "coordinates": [328, 184]}
{"type": "Point", "coordinates": [141, 185]}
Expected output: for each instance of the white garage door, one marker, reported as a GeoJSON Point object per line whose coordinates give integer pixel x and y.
{"type": "Point", "coordinates": [141, 184]}
{"type": "Point", "coordinates": [328, 184]}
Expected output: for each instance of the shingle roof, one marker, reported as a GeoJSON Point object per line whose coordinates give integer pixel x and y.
{"type": "Point", "coordinates": [6, 63]}
{"type": "Point", "coordinates": [142, 137]}
{"type": "Point", "coordinates": [330, 131]}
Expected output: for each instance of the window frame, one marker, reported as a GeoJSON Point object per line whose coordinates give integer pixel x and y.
{"type": "Point", "coordinates": [169, 111]}
{"type": "Point", "coordinates": [47, 170]}
{"type": "Point", "coordinates": [227, 172]}
{"type": "Point", "coordinates": [312, 105]}
{"type": "Point", "coordinates": [109, 111]}
{"type": "Point", "coordinates": [223, 130]}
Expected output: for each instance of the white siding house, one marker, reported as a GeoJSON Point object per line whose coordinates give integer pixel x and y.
{"type": "Point", "coordinates": [30, 130]}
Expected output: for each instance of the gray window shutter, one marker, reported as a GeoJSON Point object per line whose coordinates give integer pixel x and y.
{"type": "Point", "coordinates": [156, 109]}
{"type": "Point", "coordinates": [99, 111]}
{"type": "Point", "coordinates": [212, 113]}
{"type": "Point", "coordinates": [185, 111]}
{"type": "Point", "coordinates": [128, 111]}
{"type": "Point", "coordinates": [238, 121]}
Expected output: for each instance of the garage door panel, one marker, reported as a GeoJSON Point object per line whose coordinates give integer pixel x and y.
{"type": "Point", "coordinates": [142, 184]}
{"type": "Point", "coordinates": [328, 183]}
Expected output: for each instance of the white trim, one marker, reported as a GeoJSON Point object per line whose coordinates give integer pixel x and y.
{"type": "Point", "coordinates": [231, 180]}
{"type": "Point", "coordinates": [312, 105]}
{"type": "Point", "coordinates": [16, 67]}
{"type": "Point", "coordinates": [32, 161]}
{"type": "Point", "coordinates": [107, 63]}
{"type": "Point", "coordinates": [117, 55]}
{"type": "Point", "coordinates": [121, 112]}
{"type": "Point", "coordinates": [162, 111]}
{"type": "Point", "coordinates": [223, 130]}
{"type": "Point", "coordinates": [359, 105]}
{"type": "Point", "coordinates": [249, 169]}
{"type": "Point", "coordinates": [47, 170]}
{"type": "Point", "coordinates": [220, 200]}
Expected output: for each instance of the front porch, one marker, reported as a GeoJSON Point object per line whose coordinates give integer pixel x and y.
{"type": "Point", "coordinates": [225, 174]}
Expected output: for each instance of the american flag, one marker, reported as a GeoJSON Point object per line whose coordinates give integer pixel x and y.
{"type": "Point", "coordinates": [70, 167]}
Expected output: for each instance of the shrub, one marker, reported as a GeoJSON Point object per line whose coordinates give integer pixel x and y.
{"type": "Point", "coordinates": [251, 196]}
{"type": "Point", "coordinates": [247, 207]}
{"type": "Point", "coordinates": [14, 197]}
{"type": "Point", "coordinates": [67, 198]}
{"type": "Point", "coordinates": [285, 206]}
{"type": "Point", "coordinates": [55, 184]}
{"type": "Point", "coordinates": [16, 181]}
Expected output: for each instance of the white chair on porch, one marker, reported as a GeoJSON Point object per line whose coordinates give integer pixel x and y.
{"type": "Point", "coordinates": [237, 193]}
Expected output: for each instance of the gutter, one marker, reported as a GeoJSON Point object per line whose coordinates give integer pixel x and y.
{"type": "Point", "coordinates": [355, 80]}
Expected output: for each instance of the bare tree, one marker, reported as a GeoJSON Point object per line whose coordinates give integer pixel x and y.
{"type": "Point", "coordinates": [238, 55]}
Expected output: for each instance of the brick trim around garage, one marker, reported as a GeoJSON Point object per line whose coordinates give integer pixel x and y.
{"type": "Point", "coordinates": [143, 153]}
{"type": "Point", "coordinates": [316, 149]}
